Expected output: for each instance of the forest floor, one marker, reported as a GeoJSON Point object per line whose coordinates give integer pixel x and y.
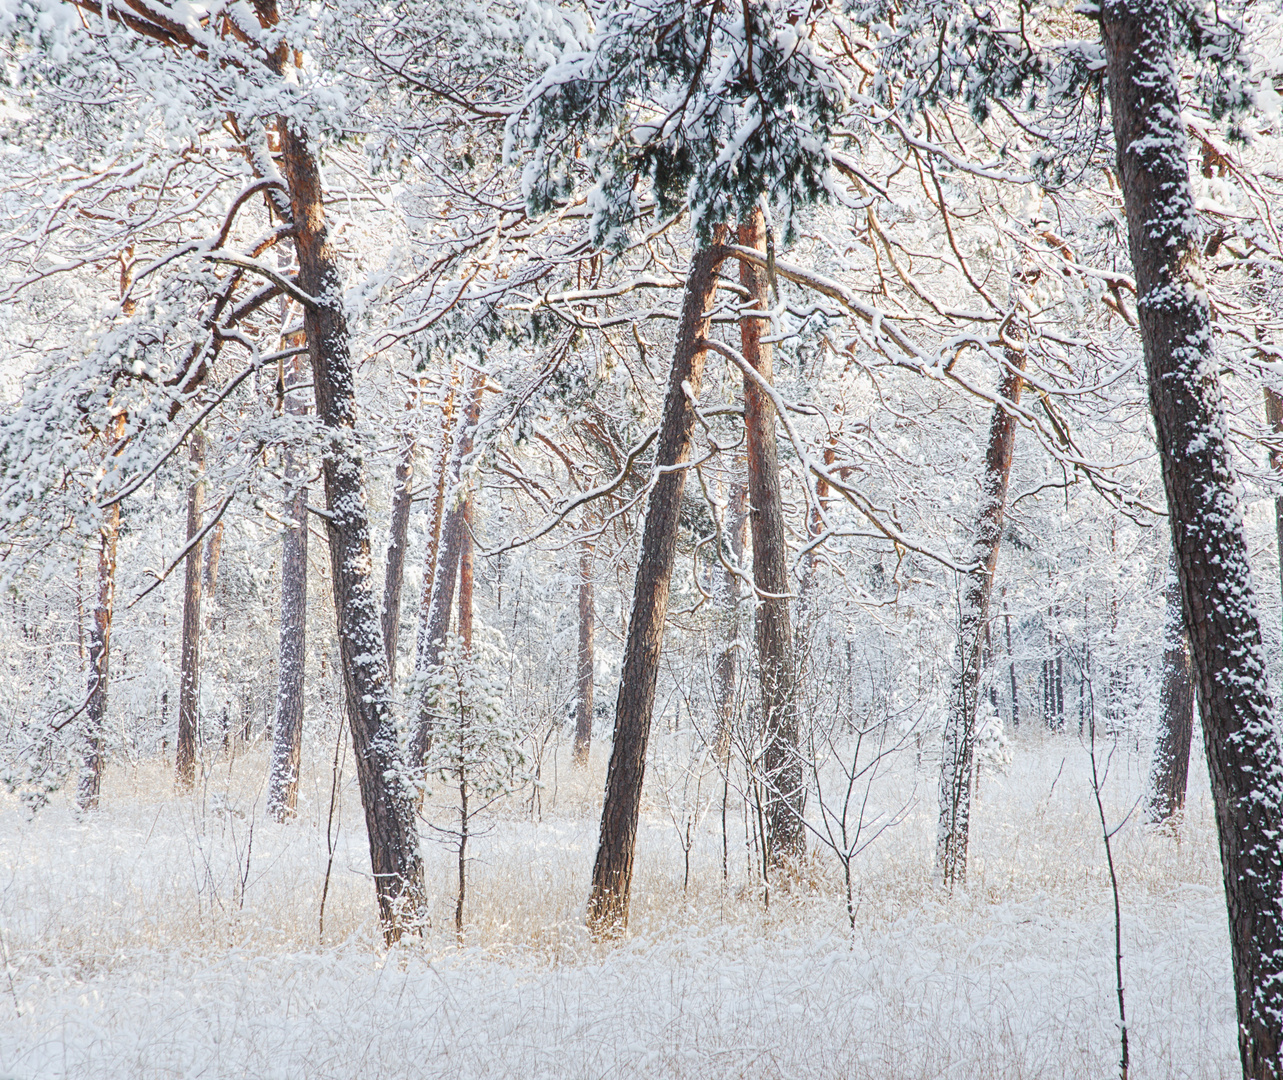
{"type": "Point", "coordinates": [168, 936]}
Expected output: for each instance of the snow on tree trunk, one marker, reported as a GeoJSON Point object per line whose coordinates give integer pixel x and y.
{"type": "Point", "coordinates": [385, 793]}
{"type": "Point", "coordinates": [287, 734]}
{"type": "Point", "coordinates": [1243, 749]}
{"type": "Point", "coordinates": [584, 672]}
{"type": "Point", "coordinates": [189, 671]}
{"type": "Point", "coordinates": [613, 870]}
{"type": "Point", "coordinates": [394, 568]}
{"type": "Point", "coordinates": [1170, 769]}
{"type": "Point", "coordinates": [957, 759]}
{"type": "Point", "coordinates": [785, 833]}
{"type": "Point", "coordinates": [1274, 416]}
{"type": "Point", "coordinates": [467, 569]}
{"type": "Point", "coordinates": [726, 670]}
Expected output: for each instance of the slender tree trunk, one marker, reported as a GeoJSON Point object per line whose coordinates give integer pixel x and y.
{"type": "Point", "coordinates": [386, 798]}
{"type": "Point", "coordinates": [439, 576]}
{"type": "Point", "coordinates": [394, 569]}
{"type": "Point", "coordinates": [1170, 769]}
{"type": "Point", "coordinates": [1217, 597]}
{"type": "Point", "coordinates": [957, 761]}
{"type": "Point", "coordinates": [467, 572]}
{"type": "Point", "coordinates": [613, 869]}
{"type": "Point", "coordinates": [1011, 666]}
{"type": "Point", "coordinates": [785, 834]}
{"type": "Point", "coordinates": [90, 784]}
{"type": "Point", "coordinates": [1274, 416]}
{"type": "Point", "coordinates": [287, 733]}
{"type": "Point", "coordinates": [726, 673]}
{"type": "Point", "coordinates": [587, 628]}
{"type": "Point", "coordinates": [189, 675]}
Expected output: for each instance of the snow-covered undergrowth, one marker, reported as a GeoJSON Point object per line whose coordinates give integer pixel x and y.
{"type": "Point", "coordinates": [159, 938]}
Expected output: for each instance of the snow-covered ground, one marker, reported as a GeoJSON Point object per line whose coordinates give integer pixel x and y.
{"type": "Point", "coordinates": [157, 938]}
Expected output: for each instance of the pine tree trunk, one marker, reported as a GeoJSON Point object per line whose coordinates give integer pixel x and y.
{"type": "Point", "coordinates": [785, 834]}
{"type": "Point", "coordinates": [213, 555]}
{"type": "Point", "coordinates": [1170, 770]}
{"type": "Point", "coordinates": [1274, 416]}
{"type": "Point", "coordinates": [467, 571]}
{"type": "Point", "coordinates": [584, 673]}
{"type": "Point", "coordinates": [957, 760]}
{"type": "Point", "coordinates": [726, 670]}
{"type": "Point", "coordinates": [386, 798]}
{"type": "Point", "coordinates": [287, 733]}
{"type": "Point", "coordinates": [1217, 597]}
{"type": "Point", "coordinates": [394, 568]}
{"type": "Point", "coordinates": [90, 783]}
{"type": "Point", "coordinates": [189, 672]}
{"type": "Point", "coordinates": [613, 870]}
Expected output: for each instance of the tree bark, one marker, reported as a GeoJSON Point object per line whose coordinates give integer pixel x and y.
{"type": "Point", "coordinates": [213, 555]}
{"type": "Point", "coordinates": [467, 570]}
{"type": "Point", "coordinates": [957, 761]}
{"type": "Point", "coordinates": [1217, 597]}
{"type": "Point", "coordinates": [1170, 770]}
{"type": "Point", "coordinates": [394, 568]}
{"type": "Point", "coordinates": [587, 629]}
{"type": "Point", "coordinates": [189, 673]}
{"type": "Point", "coordinates": [785, 833]}
{"type": "Point", "coordinates": [617, 843]}
{"type": "Point", "coordinates": [1274, 416]}
{"type": "Point", "coordinates": [385, 795]}
{"type": "Point", "coordinates": [90, 783]}
{"type": "Point", "coordinates": [726, 670]}
{"type": "Point", "coordinates": [287, 733]}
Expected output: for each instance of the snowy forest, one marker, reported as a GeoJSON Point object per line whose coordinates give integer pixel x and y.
{"type": "Point", "coordinates": [651, 538]}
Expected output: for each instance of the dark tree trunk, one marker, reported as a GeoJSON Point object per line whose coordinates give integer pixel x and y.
{"type": "Point", "coordinates": [189, 674]}
{"type": "Point", "coordinates": [1170, 770]}
{"type": "Point", "coordinates": [584, 674]}
{"type": "Point", "coordinates": [1011, 666]}
{"type": "Point", "coordinates": [440, 575]}
{"type": "Point", "coordinates": [90, 784]}
{"type": "Point", "coordinates": [613, 869]}
{"type": "Point", "coordinates": [467, 572]}
{"type": "Point", "coordinates": [957, 761]}
{"type": "Point", "coordinates": [782, 765]}
{"type": "Point", "coordinates": [726, 673]}
{"type": "Point", "coordinates": [1274, 416]}
{"type": "Point", "coordinates": [1217, 597]}
{"type": "Point", "coordinates": [386, 798]}
{"type": "Point", "coordinates": [287, 733]}
{"type": "Point", "coordinates": [394, 569]}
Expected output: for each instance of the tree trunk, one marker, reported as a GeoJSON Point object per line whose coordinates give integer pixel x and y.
{"type": "Point", "coordinates": [785, 833]}
{"type": "Point", "coordinates": [613, 870]}
{"type": "Point", "coordinates": [1274, 416]}
{"type": "Point", "coordinates": [1217, 597]}
{"type": "Point", "coordinates": [386, 798]}
{"type": "Point", "coordinates": [467, 570]}
{"type": "Point", "coordinates": [287, 733]}
{"type": "Point", "coordinates": [957, 761]}
{"type": "Point", "coordinates": [90, 783]}
{"type": "Point", "coordinates": [1170, 769]}
{"type": "Point", "coordinates": [726, 671]}
{"type": "Point", "coordinates": [394, 569]}
{"type": "Point", "coordinates": [213, 555]}
{"type": "Point", "coordinates": [439, 576]}
{"type": "Point", "coordinates": [189, 675]}
{"type": "Point", "coordinates": [587, 628]}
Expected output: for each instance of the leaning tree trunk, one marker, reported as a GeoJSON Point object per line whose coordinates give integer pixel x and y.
{"type": "Point", "coordinates": [1217, 597]}
{"type": "Point", "coordinates": [617, 843]}
{"type": "Point", "coordinates": [385, 796]}
{"type": "Point", "coordinates": [441, 573]}
{"type": "Point", "coordinates": [90, 783]}
{"type": "Point", "coordinates": [189, 674]}
{"type": "Point", "coordinates": [287, 734]}
{"type": "Point", "coordinates": [584, 672]}
{"type": "Point", "coordinates": [782, 764]}
{"type": "Point", "coordinates": [957, 760]}
{"type": "Point", "coordinates": [394, 569]}
{"type": "Point", "coordinates": [726, 668]}
{"type": "Point", "coordinates": [1170, 769]}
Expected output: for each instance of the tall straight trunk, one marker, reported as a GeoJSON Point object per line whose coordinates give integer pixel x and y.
{"type": "Point", "coordinates": [440, 575]}
{"type": "Point", "coordinates": [1170, 769]}
{"type": "Point", "coordinates": [726, 670]}
{"type": "Point", "coordinates": [957, 760]}
{"type": "Point", "coordinates": [782, 764]}
{"type": "Point", "coordinates": [394, 568]}
{"type": "Point", "coordinates": [287, 733]}
{"type": "Point", "coordinates": [1274, 416]}
{"type": "Point", "coordinates": [386, 798]}
{"type": "Point", "coordinates": [613, 870]}
{"type": "Point", "coordinates": [1011, 665]}
{"type": "Point", "coordinates": [467, 572]}
{"type": "Point", "coordinates": [213, 556]}
{"type": "Point", "coordinates": [90, 783]}
{"type": "Point", "coordinates": [1217, 596]}
{"type": "Point", "coordinates": [189, 672]}
{"type": "Point", "coordinates": [584, 672]}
